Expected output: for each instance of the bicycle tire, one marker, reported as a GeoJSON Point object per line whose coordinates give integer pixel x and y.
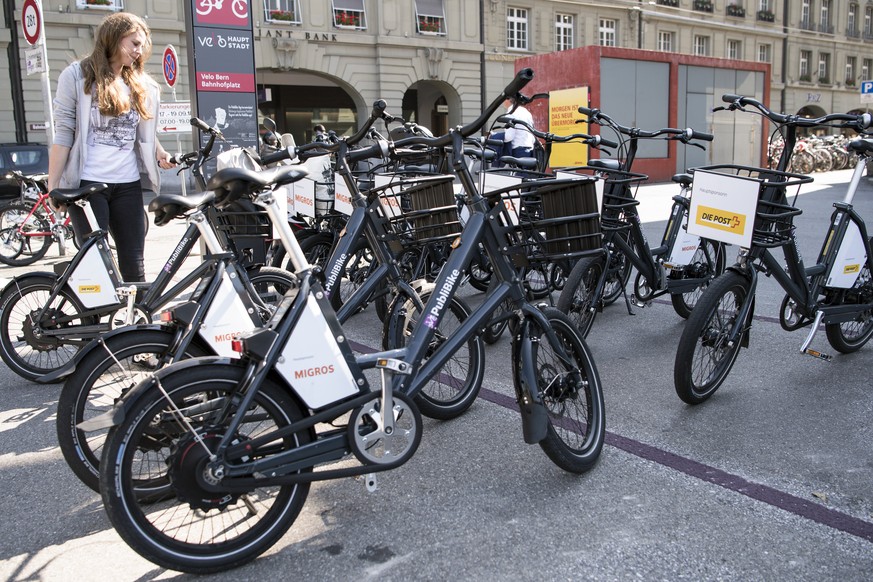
{"type": "Point", "coordinates": [618, 273]}
{"type": "Point", "coordinates": [26, 355]}
{"type": "Point", "coordinates": [271, 284]}
{"type": "Point", "coordinates": [703, 357]}
{"type": "Point", "coordinates": [455, 387]}
{"type": "Point", "coordinates": [23, 249]}
{"type": "Point", "coordinates": [850, 336]}
{"type": "Point", "coordinates": [241, 526]}
{"type": "Point", "coordinates": [574, 404]}
{"type": "Point", "coordinates": [100, 379]}
{"type": "Point", "coordinates": [577, 299]}
{"type": "Point", "coordinates": [702, 265]}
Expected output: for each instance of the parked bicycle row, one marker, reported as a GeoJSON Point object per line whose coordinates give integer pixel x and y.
{"type": "Point", "coordinates": [203, 430]}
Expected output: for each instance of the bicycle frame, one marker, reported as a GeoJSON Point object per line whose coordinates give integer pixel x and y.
{"type": "Point", "coordinates": [42, 203]}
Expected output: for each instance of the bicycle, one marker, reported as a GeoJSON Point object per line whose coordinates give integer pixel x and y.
{"type": "Point", "coordinates": [836, 291]}
{"type": "Point", "coordinates": [243, 438]}
{"type": "Point", "coordinates": [46, 318]}
{"type": "Point", "coordinates": [681, 266]}
{"type": "Point", "coordinates": [28, 225]}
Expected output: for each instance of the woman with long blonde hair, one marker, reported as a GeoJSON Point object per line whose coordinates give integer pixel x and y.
{"type": "Point", "coordinates": [106, 111]}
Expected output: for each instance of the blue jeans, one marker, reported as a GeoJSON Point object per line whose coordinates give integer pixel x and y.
{"type": "Point", "coordinates": [118, 209]}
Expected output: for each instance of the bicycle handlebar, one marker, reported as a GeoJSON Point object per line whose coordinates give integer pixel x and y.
{"type": "Point", "coordinates": [684, 135]}
{"type": "Point", "coordinates": [858, 122]}
{"type": "Point", "coordinates": [592, 140]}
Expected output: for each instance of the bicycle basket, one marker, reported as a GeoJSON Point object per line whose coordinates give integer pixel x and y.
{"type": "Point", "coordinates": [617, 190]}
{"type": "Point", "coordinates": [551, 219]}
{"type": "Point", "coordinates": [420, 209]}
{"type": "Point", "coordinates": [766, 191]}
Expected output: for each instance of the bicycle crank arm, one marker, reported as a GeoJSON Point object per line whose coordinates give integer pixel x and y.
{"type": "Point", "coordinates": [805, 349]}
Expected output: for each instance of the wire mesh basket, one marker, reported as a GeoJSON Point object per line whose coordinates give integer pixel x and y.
{"type": "Point", "coordinates": [420, 209]}
{"type": "Point", "coordinates": [551, 219]}
{"type": "Point", "coordinates": [618, 190]}
{"type": "Point", "coordinates": [773, 223]}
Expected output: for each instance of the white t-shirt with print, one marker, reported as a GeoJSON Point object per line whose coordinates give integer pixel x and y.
{"type": "Point", "coordinates": [110, 155]}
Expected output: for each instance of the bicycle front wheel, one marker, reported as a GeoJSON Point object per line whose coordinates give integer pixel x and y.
{"type": "Point", "coordinates": [577, 299]}
{"type": "Point", "coordinates": [571, 393]}
{"type": "Point", "coordinates": [165, 440]}
{"type": "Point", "coordinates": [705, 355]}
{"type": "Point", "coordinates": [25, 238]}
{"type": "Point", "coordinates": [849, 336]}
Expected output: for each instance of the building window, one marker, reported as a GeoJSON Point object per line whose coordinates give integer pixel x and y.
{"type": "Point", "coordinates": [100, 4]}
{"type": "Point", "coordinates": [734, 49]}
{"type": "Point", "coordinates": [735, 8]}
{"type": "Point", "coordinates": [282, 11]}
{"type": "Point", "coordinates": [765, 5]}
{"type": "Point", "coordinates": [824, 66]}
{"type": "Point", "coordinates": [805, 8]}
{"type": "Point", "coordinates": [701, 45]}
{"type": "Point", "coordinates": [607, 32]}
{"type": "Point", "coordinates": [666, 41]}
{"type": "Point", "coordinates": [852, 21]}
{"type": "Point", "coordinates": [851, 64]}
{"type": "Point", "coordinates": [868, 22]}
{"type": "Point", "coordinates": [563, 32]}
{"type": "Point", "coordinates": [349, 14]}
{"type": "Point", "coordinates": [765, 53]}
{"type": "Point", "coordinates": [866, 67]}
{"type": "Point", "coordinates": [430, 17]}
{"type": "Point", "coordinates": [516, 28]}
{"type": "Point", "coordinates": [825, 25]}
{"type": "Point", "coordinates": [805, 59]}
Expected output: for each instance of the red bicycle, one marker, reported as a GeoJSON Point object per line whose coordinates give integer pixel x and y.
{"type": "Point", "coordinates": [28, 225]}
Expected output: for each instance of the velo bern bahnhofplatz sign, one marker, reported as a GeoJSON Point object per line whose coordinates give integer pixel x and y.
{"type": "Point", "coordinates": [222, 69]}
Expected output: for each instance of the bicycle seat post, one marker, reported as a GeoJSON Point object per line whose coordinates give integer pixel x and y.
{"type": "Point", "coordinates": [267, 200]}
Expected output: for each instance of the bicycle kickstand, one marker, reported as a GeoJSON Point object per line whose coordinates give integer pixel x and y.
{"type": "Point", "coordinates": [805, 349]}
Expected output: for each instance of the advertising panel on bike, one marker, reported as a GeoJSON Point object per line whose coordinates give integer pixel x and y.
{"type": "Point", "coordinates": [723, 207]}
{"type": "Point", "coordinates": [494, 182]}
{"type": "Point", "coordinates": [342, 198]}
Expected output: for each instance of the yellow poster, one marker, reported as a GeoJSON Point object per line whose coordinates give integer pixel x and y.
{"type": "Point", "coordinates": [563, 112]}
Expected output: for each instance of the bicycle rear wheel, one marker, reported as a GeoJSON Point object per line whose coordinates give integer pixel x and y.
{"type": "Point", "coordinates": [850, 336]}
{"type": "Point", "coordinates": [571, 393]}
{"type": "Point", "coordinates": [190, 529]}
{"type": "Point", "coordinates": [704, 357]}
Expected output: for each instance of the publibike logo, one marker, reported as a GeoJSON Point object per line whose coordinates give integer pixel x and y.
{"type": "Point", "coordinates": [721, 219]}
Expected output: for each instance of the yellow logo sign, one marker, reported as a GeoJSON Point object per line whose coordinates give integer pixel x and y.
{"type": "Point", "coordinates": [89, 288]}
{"type": "Point", "coordinates": [721, 219]}
{"type": "Point", "coordinates": [851, 269]}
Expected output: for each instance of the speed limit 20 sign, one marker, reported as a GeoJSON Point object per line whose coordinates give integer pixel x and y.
{"type": "Point", "coordinates": [31, 21]}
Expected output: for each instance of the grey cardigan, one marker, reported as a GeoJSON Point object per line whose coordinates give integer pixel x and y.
{"type": "Point", "coordinates": [72, 113]}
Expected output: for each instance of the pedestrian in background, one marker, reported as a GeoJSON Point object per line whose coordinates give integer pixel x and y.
{"type": "Point", "coordinates": [106, 112]}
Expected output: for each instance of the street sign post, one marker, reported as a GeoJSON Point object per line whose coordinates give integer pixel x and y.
{"type": "Point", "coordinates": [37, 58]}
{"type": "Point", "coordinates": [866, 91]}
{"type": "Point", "coordinates": [170, 66]}
{"type": "Point", "coordinates": [31, 21]}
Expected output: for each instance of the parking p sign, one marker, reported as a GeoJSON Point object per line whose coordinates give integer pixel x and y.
{"type": "Point", "coordinates": [866, 91]}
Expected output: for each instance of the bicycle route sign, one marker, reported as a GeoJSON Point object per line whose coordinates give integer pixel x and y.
{"type": "Point", "coordinates": [866, 91]}
{"type": "Point", "coordinates": [31, 21]}
{"type": "Point", "coordinates": [170, 65]}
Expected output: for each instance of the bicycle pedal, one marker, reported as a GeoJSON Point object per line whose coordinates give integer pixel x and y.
{"type": "Point", "coordinates": [817, 354]}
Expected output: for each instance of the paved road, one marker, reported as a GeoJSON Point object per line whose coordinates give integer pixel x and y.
{"type": "Point", "coordinates": [771, 479]}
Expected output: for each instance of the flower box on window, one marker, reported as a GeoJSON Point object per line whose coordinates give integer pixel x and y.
{"type": "Point", "coordinates": [766, 16]}
{"type": "Point", "coordinates": [106, 3]}
{"type": "Point", "coordinates": [850, 82]}
{"type": "Point", "coordinates": [703, 5]}
{"type": "Point", "coordinates": [281, 16]}
{"type": "Point", "coordinates": [348, 19]}
{"type": "Point", "coordinates": [805, 79]}
{"type": "Point", "coordinates": [100, 4]}
{"type": "Point", "coordinates": [430, 26]}
{"type": "Point", "coordinates": [824, 81]}
{"type": "Point", "coordinates": [671, 3]}
{"type": "Point", "coordinates": [734, 10]}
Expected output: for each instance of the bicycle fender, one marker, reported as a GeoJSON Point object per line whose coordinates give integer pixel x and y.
{"type": "Point", "coordinates": [33, 275]}
{"type": "Point", "coordinates": [117, 414]}
{"type": "Point", "coordinates": [534, 418]}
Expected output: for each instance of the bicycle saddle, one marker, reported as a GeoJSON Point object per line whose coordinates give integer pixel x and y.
{"type": "Point", "coordinates": [684, 180]}
{"type": "Point", "coordinates": [68, 195]}
{"type": "Point", "coordinates": [166, 207]}
{"type": "Point", "coordinates": [523, 163]}
{"type": "Point", "coordinates": [230, 184]}
{"type": "Point", "coordinates": [606, 164]}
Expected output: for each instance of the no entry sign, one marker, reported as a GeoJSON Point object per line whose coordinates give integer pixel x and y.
{"type": "Point", "coordinates": [31, 21]}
